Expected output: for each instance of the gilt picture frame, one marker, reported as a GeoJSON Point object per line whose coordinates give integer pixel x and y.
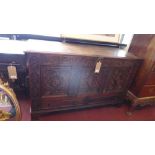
{"type": "Point", "coordinates": [112, 38]}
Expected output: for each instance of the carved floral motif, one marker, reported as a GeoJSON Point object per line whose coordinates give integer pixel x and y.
{"type": "Point", "coordinates": [118, 79]}
{"type": "Point", "coordinates": [55, 81]}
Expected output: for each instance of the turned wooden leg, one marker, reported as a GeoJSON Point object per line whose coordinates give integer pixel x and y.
{"type": "Point", "coordinates": [131, 108]}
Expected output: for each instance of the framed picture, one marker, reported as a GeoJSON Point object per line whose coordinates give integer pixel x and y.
{"type": "Point", "coordinates": [113, 38]}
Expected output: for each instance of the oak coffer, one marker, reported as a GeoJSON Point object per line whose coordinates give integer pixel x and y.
{"type": "Point", "coordinates": [71, 76]}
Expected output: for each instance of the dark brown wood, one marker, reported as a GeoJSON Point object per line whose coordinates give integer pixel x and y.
{"type": "Point", "coordinates": [148, 90]}
{"type": "Point", "coordinates": [34, 82]}
{"type": "Point", "coordinates": [83, 50]}
{"type": "Point", "coordinates": [19, 60]}
{"type": "Point", "coordinates": [151, 79]}
{"type": "Point", "coordinates": [140, 43]}
{"type": "Point", "coordinates": [143, 45]}
{"type": "Point", "coordinates": [67, 80]}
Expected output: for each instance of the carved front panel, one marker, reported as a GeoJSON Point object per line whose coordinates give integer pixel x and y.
{"type": "Point", "coordinates": [90, 82]}
{"type": "Point", "coordinates": [118, 79]}
{"type": "Point", "coordinates": [55, 80]}
{"type": "Point", "coordinates": [69, 81]}
{"type": "Point", "coordinates": [34, 72]}
{"type": "Point", "coordinates": [56, 60]}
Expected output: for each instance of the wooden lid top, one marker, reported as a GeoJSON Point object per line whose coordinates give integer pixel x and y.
{"type": "Point", "coordinates": [78, 49]}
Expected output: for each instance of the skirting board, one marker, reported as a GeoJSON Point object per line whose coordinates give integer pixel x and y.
{"type": "Point", "coordinates": [140, 101]}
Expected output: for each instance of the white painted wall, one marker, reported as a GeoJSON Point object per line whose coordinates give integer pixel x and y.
{"type": "Point", "coordinates": [18, 47]}
{"type": "Point", "coordinates": [127, 40]}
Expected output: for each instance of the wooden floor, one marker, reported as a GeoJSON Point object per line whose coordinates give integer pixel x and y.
{"type": "Point", "coordinates": [104, 114]}
{"type": "Point", "coordinates": [25, 106]}
{"type": "Point", "coordinates": [95, 114]}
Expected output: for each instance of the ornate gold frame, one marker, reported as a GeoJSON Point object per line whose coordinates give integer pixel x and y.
{"type": "Point", "coordinates": [113, 38]}
{"type": "Point", "coordinates": [5, 87]}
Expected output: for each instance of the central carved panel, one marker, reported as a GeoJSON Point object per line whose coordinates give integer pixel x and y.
{"type": "Point", "coordinates": [55, 80]}
{"type": "Point", "coordinates": [89, 81]}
